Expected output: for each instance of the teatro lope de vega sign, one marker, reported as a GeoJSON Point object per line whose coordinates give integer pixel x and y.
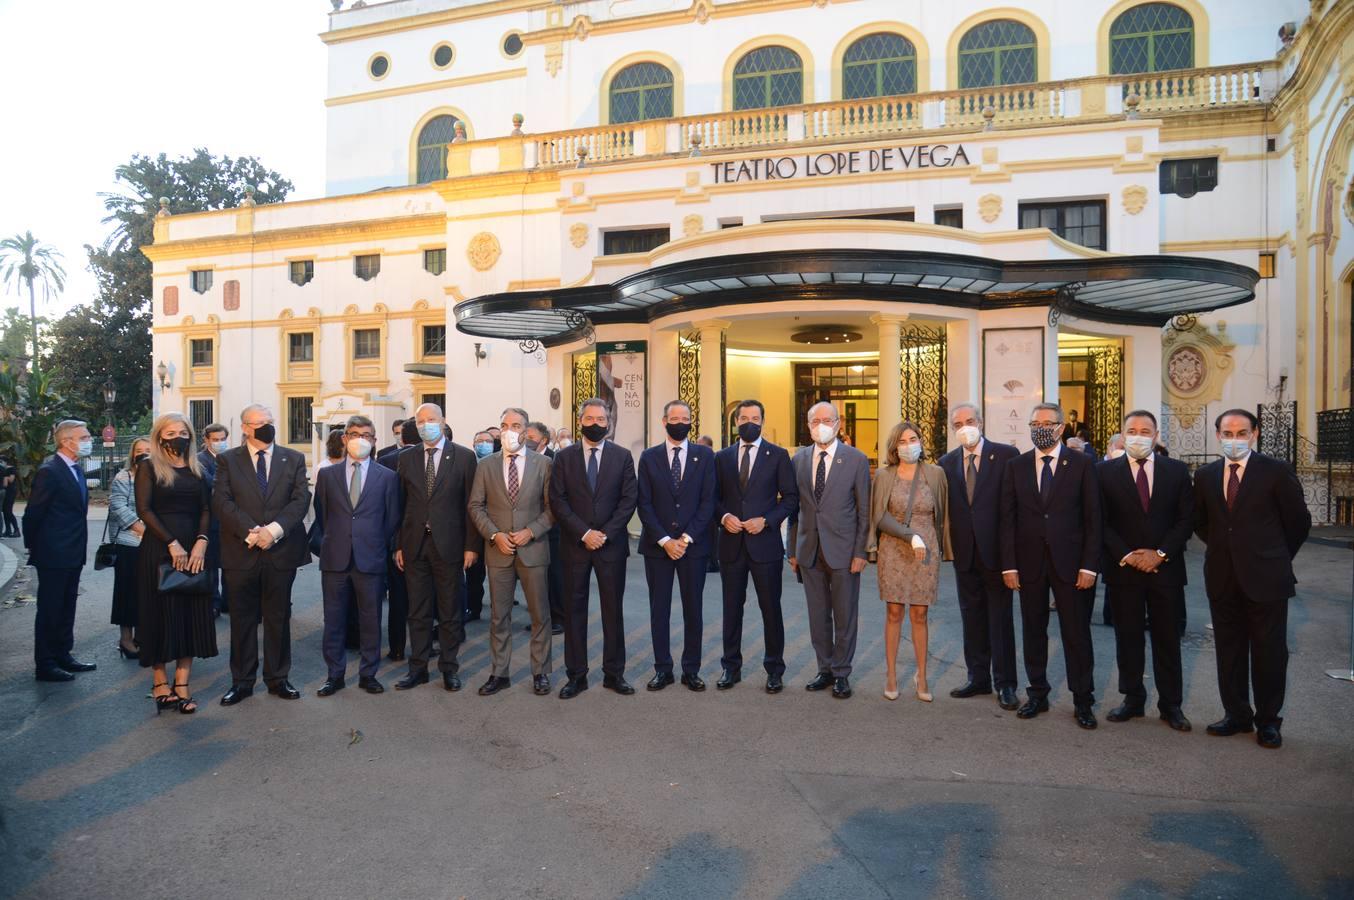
{"type": "Point", "coordinates": [845, 162]}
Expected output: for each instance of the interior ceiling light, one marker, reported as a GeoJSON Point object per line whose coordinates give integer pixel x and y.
{"type": "Point", "coordinates": [826, 334]}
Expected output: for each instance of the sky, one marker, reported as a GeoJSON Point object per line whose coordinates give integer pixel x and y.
{"type": "Point", "coordinates": [88, 83]}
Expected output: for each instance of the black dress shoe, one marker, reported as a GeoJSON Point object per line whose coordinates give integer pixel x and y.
{"type": "Point", "coordinates": [492, 686]}
{"type": "Point", "coordinates": [660, 681]}
{"type": "Point", "coordinates": [1031, 708]}
{"type": "Point", "coordinates": [1176, 719]}
{"type": "Point", "coordinates": [774, 684]}
{"type": "Point", "coordinates": [969, 689]}
{"type": "Point", "coordinates": [331, 686]}
{"type": "Point", "coordinates": [285, 691]}
{"type": "Point", "coordinates": [1227, 726]}
{"type": "Point", "coordinates": [728, 679]}
{"type": "Point", "coordinates": [395, 655]}
{"type": "Point", "coordinates": [841, 687]}
{"type": "Point", "coordinates": [1006, 699]}
{"type": "Point", "coordinates": [540, 685]}
{"type": "Point", "coordinates": [572, 688]}
{"type": "Point", "coordinates": [451, 682]}
{"type": "Point", "coordinates": [53, 675]}
{"type": "Point", "coordinates": [693, 682]}
{"type": "Point", "coordinates": [557, 628]}
{"type": "Point", "coordinates": [73, 665]}
{"type": "Point", "coordinates": [618, 684]}
{"type": "Point", "coordinates": [370, 685]}
{"type": "Point", "coordinates": [1269, 737]}
{"type": "Point", "coordinates": [821, 683]}
{"type": "Point", "coordinates": [1085, 718]}
{"type": "Point", "coordinates": [412, 680]}
{"type": "Point", "coordinates": [236, 693]}
{"type": "Point", "coordinates": [1124, 712]}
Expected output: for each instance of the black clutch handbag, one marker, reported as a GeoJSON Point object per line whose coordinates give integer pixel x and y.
{"type": "Point", "coordinates": [107, 555]}
{"type": "Point", "coordinates": [172, 581]}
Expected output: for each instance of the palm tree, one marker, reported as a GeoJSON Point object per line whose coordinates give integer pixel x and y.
{"type": "Point", "coordinates": [25, 260]}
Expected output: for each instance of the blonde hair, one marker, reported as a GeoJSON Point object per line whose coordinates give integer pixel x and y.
{"type": "Point", "coordinates": [159, 460]}
{"type": "Point", "coordinates": [131, 451]}
{"type": "Point", "coordinates": [896, 436]}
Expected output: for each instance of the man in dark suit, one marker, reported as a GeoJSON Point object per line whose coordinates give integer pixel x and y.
{"type": "Point", "coordinates": [215, 440]}
{"type": "Point", "coordinates": [1250, 511]}
{"type": "Point", "coordinates": [1148, 504]}
{"type": "Point", "coordinates": [676, 505]}
{"type": "Point", "coordinates": [1050, 540]}
{"type": "Point", "coordinates": [261, 498]}
{"type": "Point", "coordinates": [357, 510]}
{"type": "Point", "coordinates": [974, 471]}
{"type": "Point", "coordinates": [387, 455]}
{"type": "Point", "coordinates": [593, 495]}
{"type": "Point", "coordinates": [397, 592]}
{"type": "Point", "coordinates": [828, 537]}
{"type": "Point", "coordinates": [435, 545]}
{"type": "Point", "coordinates": [756, 492]}
{"type": "Point", "coordinates": [538, 439]}
{"type": "Point", "coordinates": [56, 533]}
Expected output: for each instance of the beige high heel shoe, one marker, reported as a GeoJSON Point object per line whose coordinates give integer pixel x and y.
{"type": "Point", "coordinates": [925, 697]}
{"type": "Point", "coordinates": [890, 695]}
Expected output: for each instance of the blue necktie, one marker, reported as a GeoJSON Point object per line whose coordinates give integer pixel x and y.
{"type": "Point", "coordinates": [676, 469]}
{"type": "Point", "coordinates": [592, 470]}
{"type": "Point", "coordinates": [84, 485]}
{"type": "Point", "coordinates": [263, 472]}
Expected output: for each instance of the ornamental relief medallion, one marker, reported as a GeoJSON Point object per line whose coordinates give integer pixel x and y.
{"type": "Point", "coordinates": [578, 234]}
{"type": "Point", "coordinates": [483, 251]}
{"type": "Point", "coordinates": [989, 207]}
{"type": "Point", "coordinates": [1195, 364]}
{"type": "Point", "coordinates": [1135, 198]}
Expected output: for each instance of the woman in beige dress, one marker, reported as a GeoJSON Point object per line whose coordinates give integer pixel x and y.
{"type": "Point", "coordinates": [910, 533]}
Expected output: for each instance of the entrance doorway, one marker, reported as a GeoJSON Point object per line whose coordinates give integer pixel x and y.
{"type": "Point", "coordinates": [1091, 384]}
{"type": "Point", "coordinates": [853, 387]}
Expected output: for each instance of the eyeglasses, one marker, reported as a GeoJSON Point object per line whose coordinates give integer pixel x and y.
{"type": "Point", "coordinates": [822, 421]}
{"type": "Point", "coordinates": [369, 435]}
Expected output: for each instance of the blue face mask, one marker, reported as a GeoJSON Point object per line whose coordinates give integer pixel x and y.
{"type": "Point", "coordinates": [430, 431]}
{"type": "Point", "coordinates": [220, 446]}
{"type": "Point", "coordinates": [483, 449]}
{"type": "Point", "coordinates": [1235, 448]}
{"type": "Point", "coordinates": [909, 453]}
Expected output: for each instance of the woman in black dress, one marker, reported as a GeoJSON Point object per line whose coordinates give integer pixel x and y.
{"type": "Point", "coordinates": [9, 489]}
{"type": "Point", "coordinates": [173, 501]}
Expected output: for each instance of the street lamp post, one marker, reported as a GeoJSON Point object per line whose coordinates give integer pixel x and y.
{"type": "Point", "coordinates": [110, 396]}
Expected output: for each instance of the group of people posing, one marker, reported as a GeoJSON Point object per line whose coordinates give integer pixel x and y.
{"type": "Point", "coordinates": [1050, 521]}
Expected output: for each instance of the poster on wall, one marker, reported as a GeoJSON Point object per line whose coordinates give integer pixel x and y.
{"type": "Point", "coordinates": [621, 385]}
{"type": "Point", "coordinates": [1013, 382]}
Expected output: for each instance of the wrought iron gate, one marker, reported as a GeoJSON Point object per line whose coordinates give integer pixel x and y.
{"type": "Point", "coordinates": [1105, 399]}
{"type": "Point", "coordinates": [1185, 432]}
{"type": "Point", "coordinates": [924, 376]}
{"type": "Point", "coordinates": [585, 382]}
{"type": "Point", "coordinates": [689, 375]}
{"type": "Point", "coordinates": [1279, 430]}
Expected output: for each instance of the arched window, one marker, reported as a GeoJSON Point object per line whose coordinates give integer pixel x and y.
{"type": "Point", "coordinates": [432, 148]}
{"type": "Point", "coordinates": [879, 65]}
{"type": "Point", "coordinates": [768, 76]}
{"type": "Point", "coordinates": [998, 52]}
{"type": "Point", "coordinates": [1153, 37]}
{"type": "Point", "coordinates": [641, 91]}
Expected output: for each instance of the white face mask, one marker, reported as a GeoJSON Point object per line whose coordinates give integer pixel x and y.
{"type": "Point", "coordinates": [969, 436]}
{"type": "Point", "coordinates": [511, 441]}
{"type": "Point", "coordinates": [565, 442]}
{"type": "Point", "coordinates": [1138, 446]}
{"type": "Point", "coordinates": [358, 448]}
{"type": "Point", "coordinates": [824, 434]}
{"type": "Point", "coordinates": [909, 453]}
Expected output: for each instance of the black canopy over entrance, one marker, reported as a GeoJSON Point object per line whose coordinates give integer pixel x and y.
{"type": "Point", "coordinates": [1134, 290]}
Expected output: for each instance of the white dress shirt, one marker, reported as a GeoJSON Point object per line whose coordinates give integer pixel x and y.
{"type": "Point", "coordinates": [682, 449]}
{"type": "Point", "coordinates": [1149, 464]}
{"type": "Point", "coordinates": [818, 451]}
{"type": "Point", "coordinates": [353, 465]}
{"type": "Point", "coordinates": [1240, 471]}
{"type": "Point", "coordinates": [753, 450]}
{"type": "Point", "coordinates": [519, 460]}
{"type": "Point", "coordinates": [1056, 452]}
{"type": "Point", "coordinates": [273, 527]}
{"type": "Point", "coordinates": [440, 446]}
{"type": "Point", "coordinates": [588, 447]}
{"type": "Point", "coordinates": [976, 453]}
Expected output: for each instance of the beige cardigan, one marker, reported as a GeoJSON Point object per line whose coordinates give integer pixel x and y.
{"type": "Point", "coordinates": [884, 479]}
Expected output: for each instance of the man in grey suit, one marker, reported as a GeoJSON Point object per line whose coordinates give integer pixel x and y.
{"type": "Point", "coordinates": [827, 544]}
{"type": "Point", "coordinates": [509, 506]}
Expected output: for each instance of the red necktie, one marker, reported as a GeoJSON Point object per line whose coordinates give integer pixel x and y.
{"type": "Point", "coordinates": [1143, 494]}
{"type": "Point", "coordinates": [1233, 485]}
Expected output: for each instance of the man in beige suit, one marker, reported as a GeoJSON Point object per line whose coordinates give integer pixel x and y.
{"type": "Point", "coordinates": [509, 506]}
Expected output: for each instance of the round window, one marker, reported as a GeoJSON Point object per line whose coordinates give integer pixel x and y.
{"type": "Point", "coordinates": [442, 56]}
{"type": "Point", "coordinates": [512, 44]}
{"type": "Point", "coordinates": [379, 66]}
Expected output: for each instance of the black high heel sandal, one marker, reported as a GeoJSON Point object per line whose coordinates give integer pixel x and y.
{"type": "Point", "coordinates": [164, 701]}
{"type": "Point", "coordinates": [130, 654]}
{"type": "Point", "coordinates": [186, 705]}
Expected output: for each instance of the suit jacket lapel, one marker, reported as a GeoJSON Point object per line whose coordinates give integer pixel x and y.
{"type": "Point", "coordinates": [444, 466]}
{"type": "Point", "coordinates": [276, 471]}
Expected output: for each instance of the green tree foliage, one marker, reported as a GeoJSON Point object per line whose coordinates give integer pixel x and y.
{"type": "Point", "coordinates": [29, 408]}
{"type": "Point", "coordinates": [16, 335]}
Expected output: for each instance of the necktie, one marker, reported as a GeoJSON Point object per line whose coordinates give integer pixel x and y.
{"type": "Point", "coordinates": [970, 477]}
{"type": "Point", "coordinates": [263, 471]}
{"type": "Point", "coordinates": [820, 477]}
{"type": "Point", "coordinates": [592, 470]}
{"type": "Point", "coordinates": [84, 485]}
{"type": "Point", "coordinates": [430, 472]}
{"type": "Point", "coordinates": [676, 469]}
{"type": "Point", "coordinates": [512, 479]}
{"type": "Point", "coordinates": [1143, 494]}
{"type": "Point", "coordinates": [745, 467]}
{"type": "Point", "coordinates": [1046, 480]}
{"type": "Point", "coordinates": [1233, 485]}
{"type": "Point", "coordinates": [355, 486]}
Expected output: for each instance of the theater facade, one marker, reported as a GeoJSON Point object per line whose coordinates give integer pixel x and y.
{"type": "Point", "coordinates": [891, 205]}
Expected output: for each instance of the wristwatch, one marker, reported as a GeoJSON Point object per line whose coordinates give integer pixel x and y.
{"type": "Point", "coordinates": [686, 539]}
{"type": "Point", "coordinates": [1161, 554]}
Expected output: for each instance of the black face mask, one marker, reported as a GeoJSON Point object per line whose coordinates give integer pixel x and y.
{"type": "Point", "coordinates": [498, 444]}
{"type": "Point", "coordinates": [678, 430]}
{"type": "Point", "coordinates": [177, 446]}
{"type": "Point", "coordinates": [594, 433]}
{"type": "Point", "coordinates": [749, 432]}
{"type": "Point", "coordinates": [264, 434]}
{"type": "Point", "coordinates": [140, 458]}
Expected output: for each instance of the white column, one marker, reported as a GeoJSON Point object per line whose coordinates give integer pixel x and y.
{"type": "Point", "coordinates": [711, 382]}
{"type": "Point", "coordinates": [890, 381]}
